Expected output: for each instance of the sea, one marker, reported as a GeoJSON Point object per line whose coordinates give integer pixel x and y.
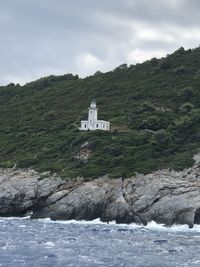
{"type": "Point", "coordinates": [26, 242]}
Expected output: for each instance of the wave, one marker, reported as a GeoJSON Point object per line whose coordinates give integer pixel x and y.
{"type": "Point", "coordinates": [15, 218]}
{"type": "Point", "coordinates": [150, 226]}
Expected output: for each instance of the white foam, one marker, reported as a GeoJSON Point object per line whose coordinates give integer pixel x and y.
{"type": "Point", "coordinates": [175, 228]}
{"type": "Point", "coordinates": [151, 225]}
{"type": "Point", "coordinates": [15, 218]}
{"type": "Point", "coordinates": [48, 220]}
{"type": "Point", "coordinates": [50, 244]}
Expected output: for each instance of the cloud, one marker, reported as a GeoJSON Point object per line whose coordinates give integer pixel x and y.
{"type": "Point", "coordinates": [46, 37]}
{"type": "Point", "coordinates": [139, 56]}
{"type": "Point", "coordinates": [88, 64]}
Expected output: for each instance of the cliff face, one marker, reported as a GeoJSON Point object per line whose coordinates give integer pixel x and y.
{"type": "Point", "coordinates": [164, 196]}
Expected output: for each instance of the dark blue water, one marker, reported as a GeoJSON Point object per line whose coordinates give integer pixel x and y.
{"type": "Point", "coordinates": [45, 243]}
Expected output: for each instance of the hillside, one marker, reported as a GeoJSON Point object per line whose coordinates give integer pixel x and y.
{"type": "Point", "coordinates": [153, 107]}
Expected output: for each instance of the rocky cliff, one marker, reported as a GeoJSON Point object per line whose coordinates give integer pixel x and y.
{"type": "Point", "coordinates": [164, 196]}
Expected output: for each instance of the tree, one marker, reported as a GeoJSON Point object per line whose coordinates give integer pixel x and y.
{"type": "Point", "coordinates": [180, 51]}
{"type": "Point", "coordinates": [97, 73]}
{"type": "Point", "coordinates": [165, 64]}
{"type": "Point", "coordinates": [147, 106]}
{"type": "Point", "coordinates": [152, 123]}
{"type": "Point", "coordinates": [11, 85]}
{"type": "Point", "coordinates": [122, 67]}
{"type": "Point", "coordinates": [186, 107]}
{"type": "Point", "coordinates": [161, 137]}
{"type": "Point", "coordinates": [186, 93]}
{"type": "Point", "coordinates": [180, 70]}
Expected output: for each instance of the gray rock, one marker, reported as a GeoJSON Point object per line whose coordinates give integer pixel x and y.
{"type": "Point", "coordinates": [164, 196]}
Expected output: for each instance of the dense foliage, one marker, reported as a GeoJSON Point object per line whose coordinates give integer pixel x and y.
{"type": "Point", "coordinates": [154, 110]}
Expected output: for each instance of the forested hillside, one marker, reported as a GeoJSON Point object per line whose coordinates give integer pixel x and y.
{"type": "Point", "coordinates": [153, 107]}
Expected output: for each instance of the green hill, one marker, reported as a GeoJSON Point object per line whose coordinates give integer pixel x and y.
{"type": "Point", "coordinates": [153, 107]}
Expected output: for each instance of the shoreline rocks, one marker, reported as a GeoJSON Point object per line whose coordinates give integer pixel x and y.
{"type": "Point", "coordinates": [164, 196]}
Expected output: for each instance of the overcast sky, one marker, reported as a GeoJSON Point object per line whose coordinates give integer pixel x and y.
{"type": "Point", "coordinates": [43, 37]}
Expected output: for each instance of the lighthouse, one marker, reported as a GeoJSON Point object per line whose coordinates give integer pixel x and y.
{"type": "Point", "coordinates": [93, 123]}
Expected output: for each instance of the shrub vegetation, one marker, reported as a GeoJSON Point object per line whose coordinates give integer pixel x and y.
{"type": "Point", "coordinates": [153, 107]}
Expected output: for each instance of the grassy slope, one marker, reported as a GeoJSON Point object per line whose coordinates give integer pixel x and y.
{"type": "Point", "coordinates": [156, 120]}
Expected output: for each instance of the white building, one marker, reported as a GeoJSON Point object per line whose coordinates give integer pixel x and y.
{"type": "Point", "coordinates": [93, 123]}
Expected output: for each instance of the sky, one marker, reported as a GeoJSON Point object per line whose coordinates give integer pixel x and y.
{"type": "Point", "coordinates": [43, 37]}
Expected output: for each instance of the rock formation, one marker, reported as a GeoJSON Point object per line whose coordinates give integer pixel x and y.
{"type": "Point", "coordinates": [164, 196]}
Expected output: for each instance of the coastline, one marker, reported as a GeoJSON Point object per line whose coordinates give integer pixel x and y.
{"type": "Point", "coordinates": [165, 196]}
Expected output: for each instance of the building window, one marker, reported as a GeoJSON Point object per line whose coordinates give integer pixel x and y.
{"type": "Point", "coordinates": [107, 127]}
{"type": "Point", "coordinates": [103, 126]}
{"type": "Point", "coordinates": [85, 125]}
{"type": "Point", "coordinates": [97, 125]}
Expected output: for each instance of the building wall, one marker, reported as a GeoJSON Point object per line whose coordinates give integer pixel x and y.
{"type": "Point", "coordinates": [84, 126]}
{"type": "Point", "coordinates": [92, 116]}
{"type": "Point", "coordinates": [93, 123]}
{"type": "Point", "coordinates": [97, 125]}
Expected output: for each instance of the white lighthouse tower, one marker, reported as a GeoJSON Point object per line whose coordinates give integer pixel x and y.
{"type": "Point", "coordinates": [93, 123]}
{"type": "Point", "coordinates": [92, 115]}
